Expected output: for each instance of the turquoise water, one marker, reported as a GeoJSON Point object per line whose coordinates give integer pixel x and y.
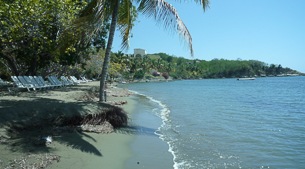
{"type": "Point", "coordinates": [225, 123]}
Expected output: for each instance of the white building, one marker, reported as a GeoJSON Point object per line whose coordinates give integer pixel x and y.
{"type": "Point", "coordinates": [139, 51]}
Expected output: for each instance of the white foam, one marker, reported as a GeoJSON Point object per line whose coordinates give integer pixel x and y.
{"type": "Point", "coordinates": [164, 115]}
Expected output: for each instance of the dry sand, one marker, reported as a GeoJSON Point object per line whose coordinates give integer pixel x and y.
{"type": "Point", "coordinates": [69, 148]}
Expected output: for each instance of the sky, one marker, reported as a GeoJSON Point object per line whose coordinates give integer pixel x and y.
{"type": "Point", "coordinates": [271, 31]}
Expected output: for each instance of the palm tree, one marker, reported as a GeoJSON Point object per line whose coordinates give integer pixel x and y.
{"type": "Point", "coordinates": [122, 15]}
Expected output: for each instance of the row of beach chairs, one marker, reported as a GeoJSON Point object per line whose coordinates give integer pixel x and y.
{"type": "Point", "coordinates": [38, 83]}
{"type": "Point", "coordinates": [3, 83]}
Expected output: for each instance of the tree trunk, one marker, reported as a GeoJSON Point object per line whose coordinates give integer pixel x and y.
{"type": "Point", "coordinates": [11, 64]}
{"type": "Point", "coordinates": [108, 51]}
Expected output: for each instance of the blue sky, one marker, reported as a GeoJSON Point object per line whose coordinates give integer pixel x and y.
{"type": "Point", "coordinates": [272, 31]}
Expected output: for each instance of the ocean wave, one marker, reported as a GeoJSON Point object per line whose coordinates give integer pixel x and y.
{"type": "Point", "coordinates": [164, 112]}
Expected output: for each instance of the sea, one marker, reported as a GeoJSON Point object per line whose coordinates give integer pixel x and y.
{"type": "Point", "coordinates": [225, 123]}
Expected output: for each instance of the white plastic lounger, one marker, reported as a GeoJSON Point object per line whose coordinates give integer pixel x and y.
{"type": "Point", "coordinates": [2, 82]}
{"type": "Point", "coordinates": [58, 82]}
{"type": "Point", "coordinates": [66, 81]}
{"type": "Point", "coordinates": [75, 81]}
{"type": "Point", "coordinates": [38, 83]}
{"type": "Point", "coordinates": [81, 80]}
{"type": "Point", "coordinates": [40, 80]}
{"type": "Point", "coordinates": [54, 81]}
{"type": "Point", "coordinates": [19, 85]}
{"type": "Point", "coordinates": [26, 82]}
{"type": "Point", "coordinates": [30, 80]}
{"type": "Point", "coordinates": [85, 79]}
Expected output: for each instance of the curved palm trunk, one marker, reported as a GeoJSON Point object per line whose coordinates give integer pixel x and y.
{"type": "Point", "coordinates": [102, 96]}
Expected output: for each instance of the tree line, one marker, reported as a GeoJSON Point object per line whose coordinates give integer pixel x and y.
{"type": "Point", "coordinates": [160, 64]}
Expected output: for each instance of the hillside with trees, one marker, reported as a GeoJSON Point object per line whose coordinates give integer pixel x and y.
{"type": "Point", "coordinates": [161, 64]}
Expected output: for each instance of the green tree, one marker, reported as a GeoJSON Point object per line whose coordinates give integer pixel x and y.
{"type": "Point", "coordinates": [121, 13]}
{"type": "Point", "coordinates": [30, 31]}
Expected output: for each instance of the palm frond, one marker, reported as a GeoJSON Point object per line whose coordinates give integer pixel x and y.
{"type": "Point", "coordinates": [92, 18]}
{"type": "Point", "coordinates": [204, 3]}
{"type": "Point", "coordinates": [147, 7]}
{"type": "Point", "coordinates": [166, 14]}
{"type": "Point", "coordinates": [125, 21]}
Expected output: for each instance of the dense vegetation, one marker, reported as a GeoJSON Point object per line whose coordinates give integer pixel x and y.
{"type": "Point", "coordinates": [160, 64]}
{"type": "Point", "coordinates": [46, 38]}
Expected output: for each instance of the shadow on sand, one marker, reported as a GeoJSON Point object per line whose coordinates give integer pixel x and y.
{"type": "Point", "coordinates": [25, 124]}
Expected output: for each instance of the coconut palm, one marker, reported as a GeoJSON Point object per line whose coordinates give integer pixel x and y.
{"type": "Point", "coordinates": [122, 16]}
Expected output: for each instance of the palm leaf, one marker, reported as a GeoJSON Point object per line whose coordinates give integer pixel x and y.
{"type": "Point", "coordinates": [92, 18]}
{"type": "Point", "coordinates": [125, 21]}
{"type": "Point", "coordinates": [167, 15]}
{"type": "Point", "coordinates": [204, 3]}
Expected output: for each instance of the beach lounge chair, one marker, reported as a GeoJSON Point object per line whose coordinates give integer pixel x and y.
{"type": "Point", "coordinates": [40, 80]}
{"type": "Point", "coordinates": [54, 81]}
{"type": "Point", "coordinates": [75, 81]}
{"type": "Point", "coordinates": [85, 79]}
{"type": "Point", "coordinates": [27, 82]}
{"type": "Point", "coordinates": [59, 82]}
{"type": "Point", "coordinates": [40, 83]}
{"type": "Point", "coordinates": [66, 81]}
{"type": "Point", "coordinates": [32, 81]}
{"type": "Point", "coordinates": [3, 83]}
{"type": "Point", "coordinates": [80, 80]}
{"type": "Point", "coordinates": [20, 85]}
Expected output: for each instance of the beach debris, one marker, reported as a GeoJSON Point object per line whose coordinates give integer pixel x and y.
{"type": "Point", "coordinates": [120, 103]}
{"type": "Point", "coordinates": [33, 161]}
{"type": "Point", "coordinates": [116, 116]}
{"type": "Point", "coordinates": [48, 139]}
{"type": "Point", "coordinates": [117, 103]}
{"type": "Point", "coordinates": [43, 141]}
{"type": "Point", "coordinates": [105, 127]}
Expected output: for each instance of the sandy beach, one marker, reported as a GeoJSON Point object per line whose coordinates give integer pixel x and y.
{"type": "Point", "coordinates": [25, 122]}
{"type": "Point", "coordinates": [69, 148]}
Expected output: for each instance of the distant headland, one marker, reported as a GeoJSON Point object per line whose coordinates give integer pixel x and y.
{"type": "Point", "coordinates": [148, 67]}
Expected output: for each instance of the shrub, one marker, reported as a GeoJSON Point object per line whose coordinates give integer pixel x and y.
{"type": "Point", "coordinates": [155, 73]}
{"type": "Point", "coordinates": [165, 75]}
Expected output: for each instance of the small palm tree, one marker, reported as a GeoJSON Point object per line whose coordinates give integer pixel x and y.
{"type": "Point", "coordinates": [122, 14]}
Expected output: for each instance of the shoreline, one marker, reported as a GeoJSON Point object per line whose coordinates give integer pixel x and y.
{"type": "Point", "coordinates": [150, 151]}
{"type": "Point", "coordinates": [119, 149]}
